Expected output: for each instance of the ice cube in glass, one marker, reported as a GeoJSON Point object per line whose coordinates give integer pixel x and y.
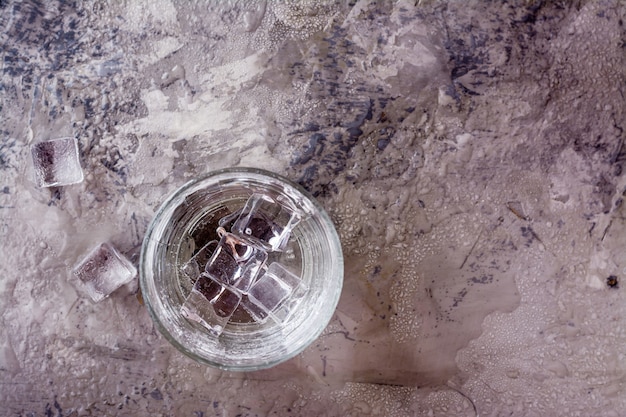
{"type": "Point", "coordinates": [227, 221]}
{"type": "Point", "coordinates": [56, 162]}
{"type": "Point", "coordinates": [284, 310]}
{"type": "Point", "coordinates": [235, 263]}
{"type": "Point", "coordinates": [195, 266]}
{"type": "Point", "coordinates": [210, 304]}
{"type": "Point", "coordinates": [103, 271]}
{"type": "Point", "coordinates": [266, 221]}
{"type": "Point", "coordinates": [273, 290]}
{"type": "Point", "coordinates": [258, 314]}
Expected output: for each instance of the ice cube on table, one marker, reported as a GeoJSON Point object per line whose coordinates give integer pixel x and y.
{"type": "Point", "coordinates": [56, 162]}
{"type": "Point", "coordinates": [235, 263]}
{"type": "Point", "coordinates": [274, 293]}
{"type": "Point", "coordinates": [103, 271]}
{"type": "Point", "coordinates": [195, 266]}
{"type": "Point", "coordinates": [210, 304]}
{"type": "Point", "coordinates": [266, 222]}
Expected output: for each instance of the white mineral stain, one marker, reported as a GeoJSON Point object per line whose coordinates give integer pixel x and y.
{"type": "Point", "coordinates": [208, 113]}
{"type": "Point", "coordinates": [163, 48]}
{"type": "Point", "coordinates": [201, 118]}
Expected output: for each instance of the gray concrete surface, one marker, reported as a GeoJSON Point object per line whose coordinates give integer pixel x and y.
{"type": "Point", "coordinates": [470, 154]}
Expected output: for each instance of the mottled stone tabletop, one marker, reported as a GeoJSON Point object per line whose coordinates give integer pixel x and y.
{"type": "Point", "coordinates": [470, 154]}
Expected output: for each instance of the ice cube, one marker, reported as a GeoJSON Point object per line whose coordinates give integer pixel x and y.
{"type": "Point", "coordinates": [210, 304]}
{"type": "Point", "coordinates": [195, 266]}
{"type": "Point", "coordinates": [274, 293]}
{"type": "Point", "coordinates": [56, 162]}
{"type": "Point", "coordinates": [266, 222]}
{"type": "Point", "coordinates": [284, 310]}
{"type": "Point", "coordinates": [103, 271]}
{"type": "Point", "coordinates": [227, 221]}
{"type": "Point", "coordinates": [257, 313]}
{"type": "Point", "coordinates": [235, 263]}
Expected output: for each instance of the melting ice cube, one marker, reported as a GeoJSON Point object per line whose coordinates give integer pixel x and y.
{"type": "Point", "coordinates": [194, 266]}
{"type": "Point", "coordinates": [103, 271]}
{"type": "Point", "coordinates": [210, 304]}
{"type": "Point", "coordinates": [235, 263]}
{"type": "Point", "coordinates": [274, 294]}
{"type": "Point", "coordinates": [56, 162]}
{"type": "Point", "coordinates": [266, 221]}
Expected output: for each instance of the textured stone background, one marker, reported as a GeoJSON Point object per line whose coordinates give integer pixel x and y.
{"type": "Point", "coordinates": [470, 153]}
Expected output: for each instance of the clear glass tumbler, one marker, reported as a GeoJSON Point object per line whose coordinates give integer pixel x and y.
{"type": "Point", "coordinates": [188, 219]}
